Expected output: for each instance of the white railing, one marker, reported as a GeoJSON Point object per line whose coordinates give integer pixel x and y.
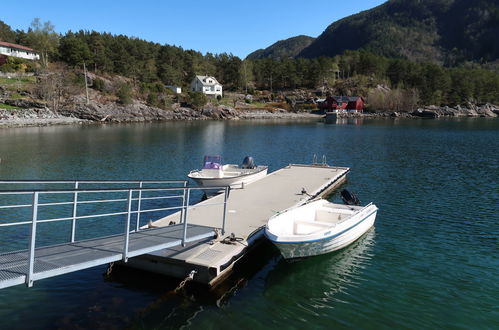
{"type": "Point", "coordinates": [127, 202]}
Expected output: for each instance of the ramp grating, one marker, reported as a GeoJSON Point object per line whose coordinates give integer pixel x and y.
{"type": "Point", "coordinates": [65, 258]}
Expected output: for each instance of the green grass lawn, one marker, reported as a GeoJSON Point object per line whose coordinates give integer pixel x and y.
{"type": "Point", "coordinates": [17, 82]}
{"type": "Point", "coordinates": [15, 96]}
{"type": "Point", "coordinates": [8, 107]}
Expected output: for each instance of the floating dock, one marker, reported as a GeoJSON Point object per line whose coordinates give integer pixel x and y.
{"type": "Point", "coordinates": [248, 210]}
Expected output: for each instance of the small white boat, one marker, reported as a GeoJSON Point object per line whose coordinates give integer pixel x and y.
{"type": "Point", "coordinates": [318, 227]}
{"type": "Point", "coordinates": [215, 174]}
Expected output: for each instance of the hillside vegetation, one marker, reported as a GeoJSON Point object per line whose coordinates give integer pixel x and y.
{"type": "Point", "coordinates": [283, 49]}
{"type": "Point", "coordinates": [123, 69]}
{"type": "Point", "coordinates": [441, 31]}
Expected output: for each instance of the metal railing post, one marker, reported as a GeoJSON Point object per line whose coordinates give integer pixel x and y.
{"type": "Point", "coordinates": [184, 234]}
{"type": "Point", "coordinates": [226, 196]}
{"type": "Point", "coordinates": [31, 261]}
{"type": "Point", "coordinates": [138, 207]}
{"type": "Point", "coordinates": [127, 228]}
{"type": "Point", "coordinates": [75, 204]}
{"type": "Point", "coordinates": [182, 210]}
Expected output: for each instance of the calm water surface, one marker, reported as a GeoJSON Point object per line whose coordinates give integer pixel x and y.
{"type": "Point", "coordinates": [432, 260]}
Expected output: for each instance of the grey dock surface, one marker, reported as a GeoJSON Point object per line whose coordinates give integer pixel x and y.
{"type": "Point", "coordinates": [249, 209]}
{"type": "Point", "coordinates": [64, 258]}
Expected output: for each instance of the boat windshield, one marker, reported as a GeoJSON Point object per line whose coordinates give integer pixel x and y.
{"type": "Point", "coordinates": [212, 162]}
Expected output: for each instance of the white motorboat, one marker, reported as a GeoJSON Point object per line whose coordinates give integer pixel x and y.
{"type": "Point", "coordinates": [318, 227]}
{"type": "Point", "coordinates": [215, 174]}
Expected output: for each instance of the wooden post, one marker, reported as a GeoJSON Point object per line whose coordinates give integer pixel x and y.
{"type": "Point", "coordinates": [86, 83]}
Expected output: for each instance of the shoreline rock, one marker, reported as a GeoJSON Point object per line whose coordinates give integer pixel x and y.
{"type": "Point", "coordinates": [471, 110]}
{"type": "Point", "coordinates": [34, 117]}
{"type": "Point", "coordinates": [139, 112]}
{"type": "Point", "coordinates": [112, 113]}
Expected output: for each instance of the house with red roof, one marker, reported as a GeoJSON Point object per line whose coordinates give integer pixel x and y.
{"type": "Point", "coordinates": [343, 104]}
{"type": "Point", "coordinates": [8, 49]}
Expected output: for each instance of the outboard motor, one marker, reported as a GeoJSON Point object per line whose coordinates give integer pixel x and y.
{"type": "Point", "coordinates": [248, 162]}
{"type": "Point", "coordinates": [349, 198]}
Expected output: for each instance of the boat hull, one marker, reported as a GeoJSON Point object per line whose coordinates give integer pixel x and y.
{"type": "Point", "coordinates": [336, 241]}
{"type": "Point", "coordinates": [230, 181]}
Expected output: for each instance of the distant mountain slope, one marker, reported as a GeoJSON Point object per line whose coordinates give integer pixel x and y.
{"type": "Point", "coordinates": [438, 30]}
{"type": "Point", "coordinates": [283, 48]}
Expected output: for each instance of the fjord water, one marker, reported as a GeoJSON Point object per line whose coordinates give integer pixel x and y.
{"type": "Point", "coordinates": [431, 261]}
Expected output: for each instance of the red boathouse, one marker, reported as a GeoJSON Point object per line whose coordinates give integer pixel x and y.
{"type": "Point", "coordinates": [343, 104]}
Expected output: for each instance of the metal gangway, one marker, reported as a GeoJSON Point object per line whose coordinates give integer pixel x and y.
{"type": "Point", "coordinates": [50, 228]}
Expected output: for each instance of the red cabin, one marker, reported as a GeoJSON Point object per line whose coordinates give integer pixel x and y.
{"type": "Point", "coordinates": [343, 103]}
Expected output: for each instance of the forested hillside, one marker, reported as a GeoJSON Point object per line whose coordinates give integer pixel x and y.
{"type": "Point", "coordinates": [442, 31]}
{"type": "Point", "coordinates": [283, 49]}
{"type": "Point", "coordinates": [148, 65]}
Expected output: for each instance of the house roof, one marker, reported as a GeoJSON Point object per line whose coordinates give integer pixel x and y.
{"type": "Point", "coordinates": [204, 80]}
{"type": "Point", "coordinates": [16, 46]}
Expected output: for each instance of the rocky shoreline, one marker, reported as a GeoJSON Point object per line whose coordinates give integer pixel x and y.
{"type": "Point", "coordinates": [40, 115]}
{"type": "Point", "coordinates": [35, 117]}
{"type": "Point", "coordinates": [142, 113]}
{"type": "Point", "coordinates": [97, 113]}
{"type": "Point", "coordinates": [433, 111]}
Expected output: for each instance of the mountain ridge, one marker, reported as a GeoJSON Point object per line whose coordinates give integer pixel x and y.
{"type": "Point", "coordinates": [447, 32]}
{"type": "Point", "coordinates": [443, 31]}
{"type": "Point", "coordinates": [286, 48]}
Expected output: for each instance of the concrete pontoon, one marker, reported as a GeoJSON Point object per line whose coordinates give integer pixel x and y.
{"type": "Point", "coordinates": [191, 244]}
{"type": "Point", "coordinates": [248, 210]}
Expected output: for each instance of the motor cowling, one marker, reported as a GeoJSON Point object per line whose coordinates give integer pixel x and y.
{"type": "Point", "coordinates": [349, 198]}
{"type": "Point", "coordinates": [248, 162]}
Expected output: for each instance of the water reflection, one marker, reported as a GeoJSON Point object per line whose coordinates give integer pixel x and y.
{"type": "Point", "coordinates": [345, 121]}
{"type": "Point", "coordinates": [213, 137]}
{"type": "Point", "coordinates": [320, 278]}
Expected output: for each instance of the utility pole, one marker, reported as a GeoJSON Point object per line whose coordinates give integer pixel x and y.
{"type": "Point", "coordinates": [245, 78]}
{"type": "Point", "coordinates": [86, 83]}
{"type": "Point", "coordinates": [270, 82]}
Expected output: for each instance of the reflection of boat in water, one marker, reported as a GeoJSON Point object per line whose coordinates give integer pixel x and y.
{"type": "Point", "coordinates": [318, 227]}
{"type": "Point", "coordinates": [341, 119]}
{"type": "Point", "coordinates": [324, 276]}
{"type": "Point", "coordinates": [215, 174]}
{"type": "Point", "coordinates": [330, 117]}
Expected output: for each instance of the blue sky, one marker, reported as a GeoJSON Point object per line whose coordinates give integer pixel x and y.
{"type": "Point", "coordinates": [237, 27]}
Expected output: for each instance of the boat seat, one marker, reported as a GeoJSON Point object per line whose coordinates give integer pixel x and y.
{"type": "Point", "coordinates": [304, 227]}
{"type": "Point", "coordinates": [213, 173]}
{"type": "Point", "coordinates": [328, 216]}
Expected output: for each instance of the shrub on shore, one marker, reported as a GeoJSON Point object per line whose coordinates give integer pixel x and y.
{"type": "Point", "coordinates": [124, 94]}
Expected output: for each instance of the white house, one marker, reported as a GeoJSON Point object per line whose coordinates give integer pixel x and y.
{"type": "Point", "coordinates": [175, 89]}
{"type": "Point", "coordinates": [207, 85]}
{"type": "Point", "coordinates": [8, 49]}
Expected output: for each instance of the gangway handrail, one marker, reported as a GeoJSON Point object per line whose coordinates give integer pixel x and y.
{"type": "Point", "coordinates": [36, 205]}
{"type": "Point", "coordinates": [91, 181]}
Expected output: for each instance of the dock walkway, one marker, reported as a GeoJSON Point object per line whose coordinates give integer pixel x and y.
{"type": "Point", "coordinates": [248, 211]}
{"type": "Point", "coordinates": [65, 258]}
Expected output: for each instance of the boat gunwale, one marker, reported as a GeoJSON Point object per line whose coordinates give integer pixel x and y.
{"type": "Point", "coordinates": [333, 235]}
{"type": "Point", "coordinates": [263, 167]}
